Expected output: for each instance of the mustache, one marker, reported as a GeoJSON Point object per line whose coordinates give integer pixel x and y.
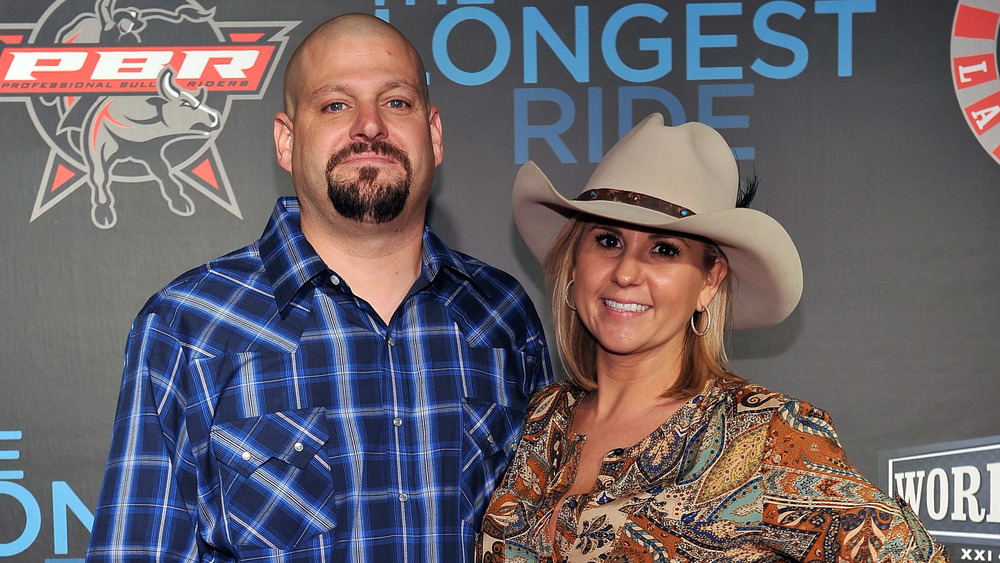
{"type": "Point", "coordinates": [381, 148]}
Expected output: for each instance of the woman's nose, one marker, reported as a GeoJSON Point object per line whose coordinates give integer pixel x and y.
{"type": "Point", "coordinates": [627, 271]}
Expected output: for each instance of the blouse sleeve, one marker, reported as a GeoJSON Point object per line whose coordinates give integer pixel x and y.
{"type": "Point", "coordinates": [512, 508]}
{"type": "Point", "coordinates": [815, 501]}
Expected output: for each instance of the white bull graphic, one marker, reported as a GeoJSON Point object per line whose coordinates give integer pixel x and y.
{"type": "Point", "coordinates": [139, 129]}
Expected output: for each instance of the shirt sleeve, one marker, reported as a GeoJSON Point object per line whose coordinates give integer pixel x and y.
{"type": "Point", "coordinates": [513, 506]}
{"type": "Point", "coordinates": [816, 501]}
{"type": "Point", "coordinates": [525, 317]}
{"type": "Point", "coordinates": [541, 375]}
{"type": "Point", "coordinates": [142, 513]}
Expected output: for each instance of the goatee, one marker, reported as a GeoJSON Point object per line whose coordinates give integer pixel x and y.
{"type": "Point", "coordinates": [366, 199]}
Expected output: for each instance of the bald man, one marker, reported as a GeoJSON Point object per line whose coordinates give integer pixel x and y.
{"type": "Point", "coordinates": [346, 388]}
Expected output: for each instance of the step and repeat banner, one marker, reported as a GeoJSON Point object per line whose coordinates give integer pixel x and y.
{"type": "Point", "coordinates": [135, 143]}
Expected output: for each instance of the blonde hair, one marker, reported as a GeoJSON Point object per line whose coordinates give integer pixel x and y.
{"type": "Point", "coordinates": [704, 357]}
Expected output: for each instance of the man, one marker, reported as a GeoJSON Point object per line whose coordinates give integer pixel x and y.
{"type": "Point", "coordinates": [347, 388]}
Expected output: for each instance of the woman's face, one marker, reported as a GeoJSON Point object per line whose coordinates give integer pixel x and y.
{"type": "Point", "coordinates": [636, 289]}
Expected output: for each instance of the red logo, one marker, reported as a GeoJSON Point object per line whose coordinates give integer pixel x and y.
{"type": "Point", "coordinates": [135, 95]}
{"type": "Point", "coordinates": [974, 72]}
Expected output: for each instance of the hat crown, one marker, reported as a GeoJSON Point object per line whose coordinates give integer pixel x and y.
{"type": "Point", "coordinates": [680, 179]}
{"type": "Point", "coordinates": [690, 165]}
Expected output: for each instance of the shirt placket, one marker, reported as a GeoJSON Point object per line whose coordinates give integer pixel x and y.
{"type": "Point", "coordinates": [398, 394]}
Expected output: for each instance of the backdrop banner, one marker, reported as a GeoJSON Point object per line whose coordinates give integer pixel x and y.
{"type": "Point", "coordinates": [137, 144]}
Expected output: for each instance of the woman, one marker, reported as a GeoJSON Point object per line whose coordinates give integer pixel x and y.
{"type": "Point", "coordinates": [655, 450]}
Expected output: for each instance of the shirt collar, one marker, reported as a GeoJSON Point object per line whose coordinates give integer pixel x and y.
{"type": "Point", "coordinates": [291, 262]}
{"type": "Point", "coordinates": [438, 257]}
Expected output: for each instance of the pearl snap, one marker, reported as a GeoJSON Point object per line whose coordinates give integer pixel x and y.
{"type": "Point", "coordinates": [298, 446]}
{"type": "Point", "coordinates": [246, 456]}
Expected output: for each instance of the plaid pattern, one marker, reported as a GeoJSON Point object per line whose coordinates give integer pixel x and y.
{"type": "Point", "coordinates": [268, 414]}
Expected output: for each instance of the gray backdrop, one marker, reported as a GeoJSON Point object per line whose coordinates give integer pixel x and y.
{"type": "Point", "coordinates": [846, 109]}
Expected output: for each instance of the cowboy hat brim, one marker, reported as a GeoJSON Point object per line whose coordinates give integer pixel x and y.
{"type": "Point", "coordinates": [768, 272]}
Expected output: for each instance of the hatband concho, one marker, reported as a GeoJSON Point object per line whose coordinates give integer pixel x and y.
{"type": "Point", "coordinates": [637, 199]}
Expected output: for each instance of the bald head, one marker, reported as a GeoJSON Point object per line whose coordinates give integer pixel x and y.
{"type": "Point", "coordinates": [358, 26]}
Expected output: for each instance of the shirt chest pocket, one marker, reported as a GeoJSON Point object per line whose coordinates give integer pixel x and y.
{"type": "Point", "coordinates": [277, 487]}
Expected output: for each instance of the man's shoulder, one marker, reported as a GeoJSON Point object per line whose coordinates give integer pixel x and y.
{"type": "Point", "coordinates": [489, 303]}
{"type": "Point", "coordinates": [218, 281]}
{"type": "Point", "coordinates": [487, 275]}
{"type": "Point", "coordinates": [486, 291]}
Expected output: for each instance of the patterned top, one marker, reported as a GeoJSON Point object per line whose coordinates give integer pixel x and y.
{"type": "Point", "coordinates": [739, 473]}
{"type": "Point", "coordinates": [269, 414]}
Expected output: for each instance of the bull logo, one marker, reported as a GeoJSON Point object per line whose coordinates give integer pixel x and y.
{"type": "Point", "coordinates": [107, 18]}
{"type": "Point", "coordinates": [137, 95]}
{"type": "Point", "coordinates": [131, 128]}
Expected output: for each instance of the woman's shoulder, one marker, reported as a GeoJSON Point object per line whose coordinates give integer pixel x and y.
{"type": "Point", "coordinates": [752, 399]}
{"type": "Point", "coordinates": [553, 396]}
{"type": "Point", "coordinates": [755, 396]}
{"type": "Point", "coordinates": [555, 391]}
{"type": "Point", "coordinates": [746, 392]}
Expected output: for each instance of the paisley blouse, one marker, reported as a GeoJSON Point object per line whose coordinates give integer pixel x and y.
{"type": "Point", "coordinates": [739, 473]}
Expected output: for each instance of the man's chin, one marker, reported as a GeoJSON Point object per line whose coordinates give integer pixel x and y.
{"type": "Point", "coordinates": [381, 166]}
{"type": "Point", "coordinates": [367, 178]}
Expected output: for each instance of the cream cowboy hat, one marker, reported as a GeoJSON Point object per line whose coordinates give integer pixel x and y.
{"type": "Point", "coordinates": [682, 179]}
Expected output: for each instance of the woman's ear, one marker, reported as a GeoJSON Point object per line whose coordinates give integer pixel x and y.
{"type": "Point", "coordinates": [713, 280]}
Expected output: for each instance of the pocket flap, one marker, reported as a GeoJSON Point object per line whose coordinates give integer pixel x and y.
{"type": "Point", "coordinates": [291, 436]}
{"type": "Point", "coordinates": [490, 425]}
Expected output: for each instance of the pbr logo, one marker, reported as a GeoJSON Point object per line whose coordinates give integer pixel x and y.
{"type": "Point", "coordinates": [135, 92]}
{"type": "Point", "coordinates": [974, 70]}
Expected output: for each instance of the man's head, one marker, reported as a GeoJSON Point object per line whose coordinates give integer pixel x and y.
{"type": "Point", "coordinates": [358, 134]}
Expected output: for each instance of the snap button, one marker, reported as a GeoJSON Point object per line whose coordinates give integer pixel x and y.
{"type": "Point", "coordinates": [489, 438]}
{"type": "Point", "coordinates": [334, 279]}
{"type": "Point", "coordinates": [298, 446]}
{"type": "Point", "coordinates": [571, 503]}
{"type": "Point", "coordinates": [397, 421]}
{"type": "Point", "coordinates": [392, 342]}
{"type": "Point", "coordinates": [246, 456]}
{"type": "Point", "coordinates": [403, 497]}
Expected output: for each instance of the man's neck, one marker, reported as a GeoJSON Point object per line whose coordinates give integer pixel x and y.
{"type": "Point", "coordinates": [379, 262]}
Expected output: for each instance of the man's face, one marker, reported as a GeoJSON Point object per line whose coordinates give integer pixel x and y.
{"type": "Point", "coordinates": [362, 139]}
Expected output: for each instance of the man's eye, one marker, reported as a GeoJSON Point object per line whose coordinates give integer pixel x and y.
{"type": "Point", "coordinates": [397, 104]}
{"type": "Point", "coordinates": [335, 106]}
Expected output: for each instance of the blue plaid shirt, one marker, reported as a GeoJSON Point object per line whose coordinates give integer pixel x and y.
{"type": "Point", "coordinates": [268, 414]}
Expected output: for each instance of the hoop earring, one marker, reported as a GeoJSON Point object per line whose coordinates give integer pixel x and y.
{"type": "Point", "coordinates": [708, 323]}
{"type": "Point", "coordinates": [566, 295]}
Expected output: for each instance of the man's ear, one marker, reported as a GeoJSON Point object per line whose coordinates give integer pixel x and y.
{"type": "Point", "coordinates": [437, 138]}
{"type": "Point", "coordinates": [283, 140]}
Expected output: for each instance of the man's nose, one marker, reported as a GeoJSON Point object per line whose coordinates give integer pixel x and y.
{"type": "Point", "coordinates": [368, 124]}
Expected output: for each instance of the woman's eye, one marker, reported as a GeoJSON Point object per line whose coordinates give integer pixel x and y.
{"type": "Point", "coordinates": [666, 249]}
{"type": "Point", "coordinates": [607, 240]}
